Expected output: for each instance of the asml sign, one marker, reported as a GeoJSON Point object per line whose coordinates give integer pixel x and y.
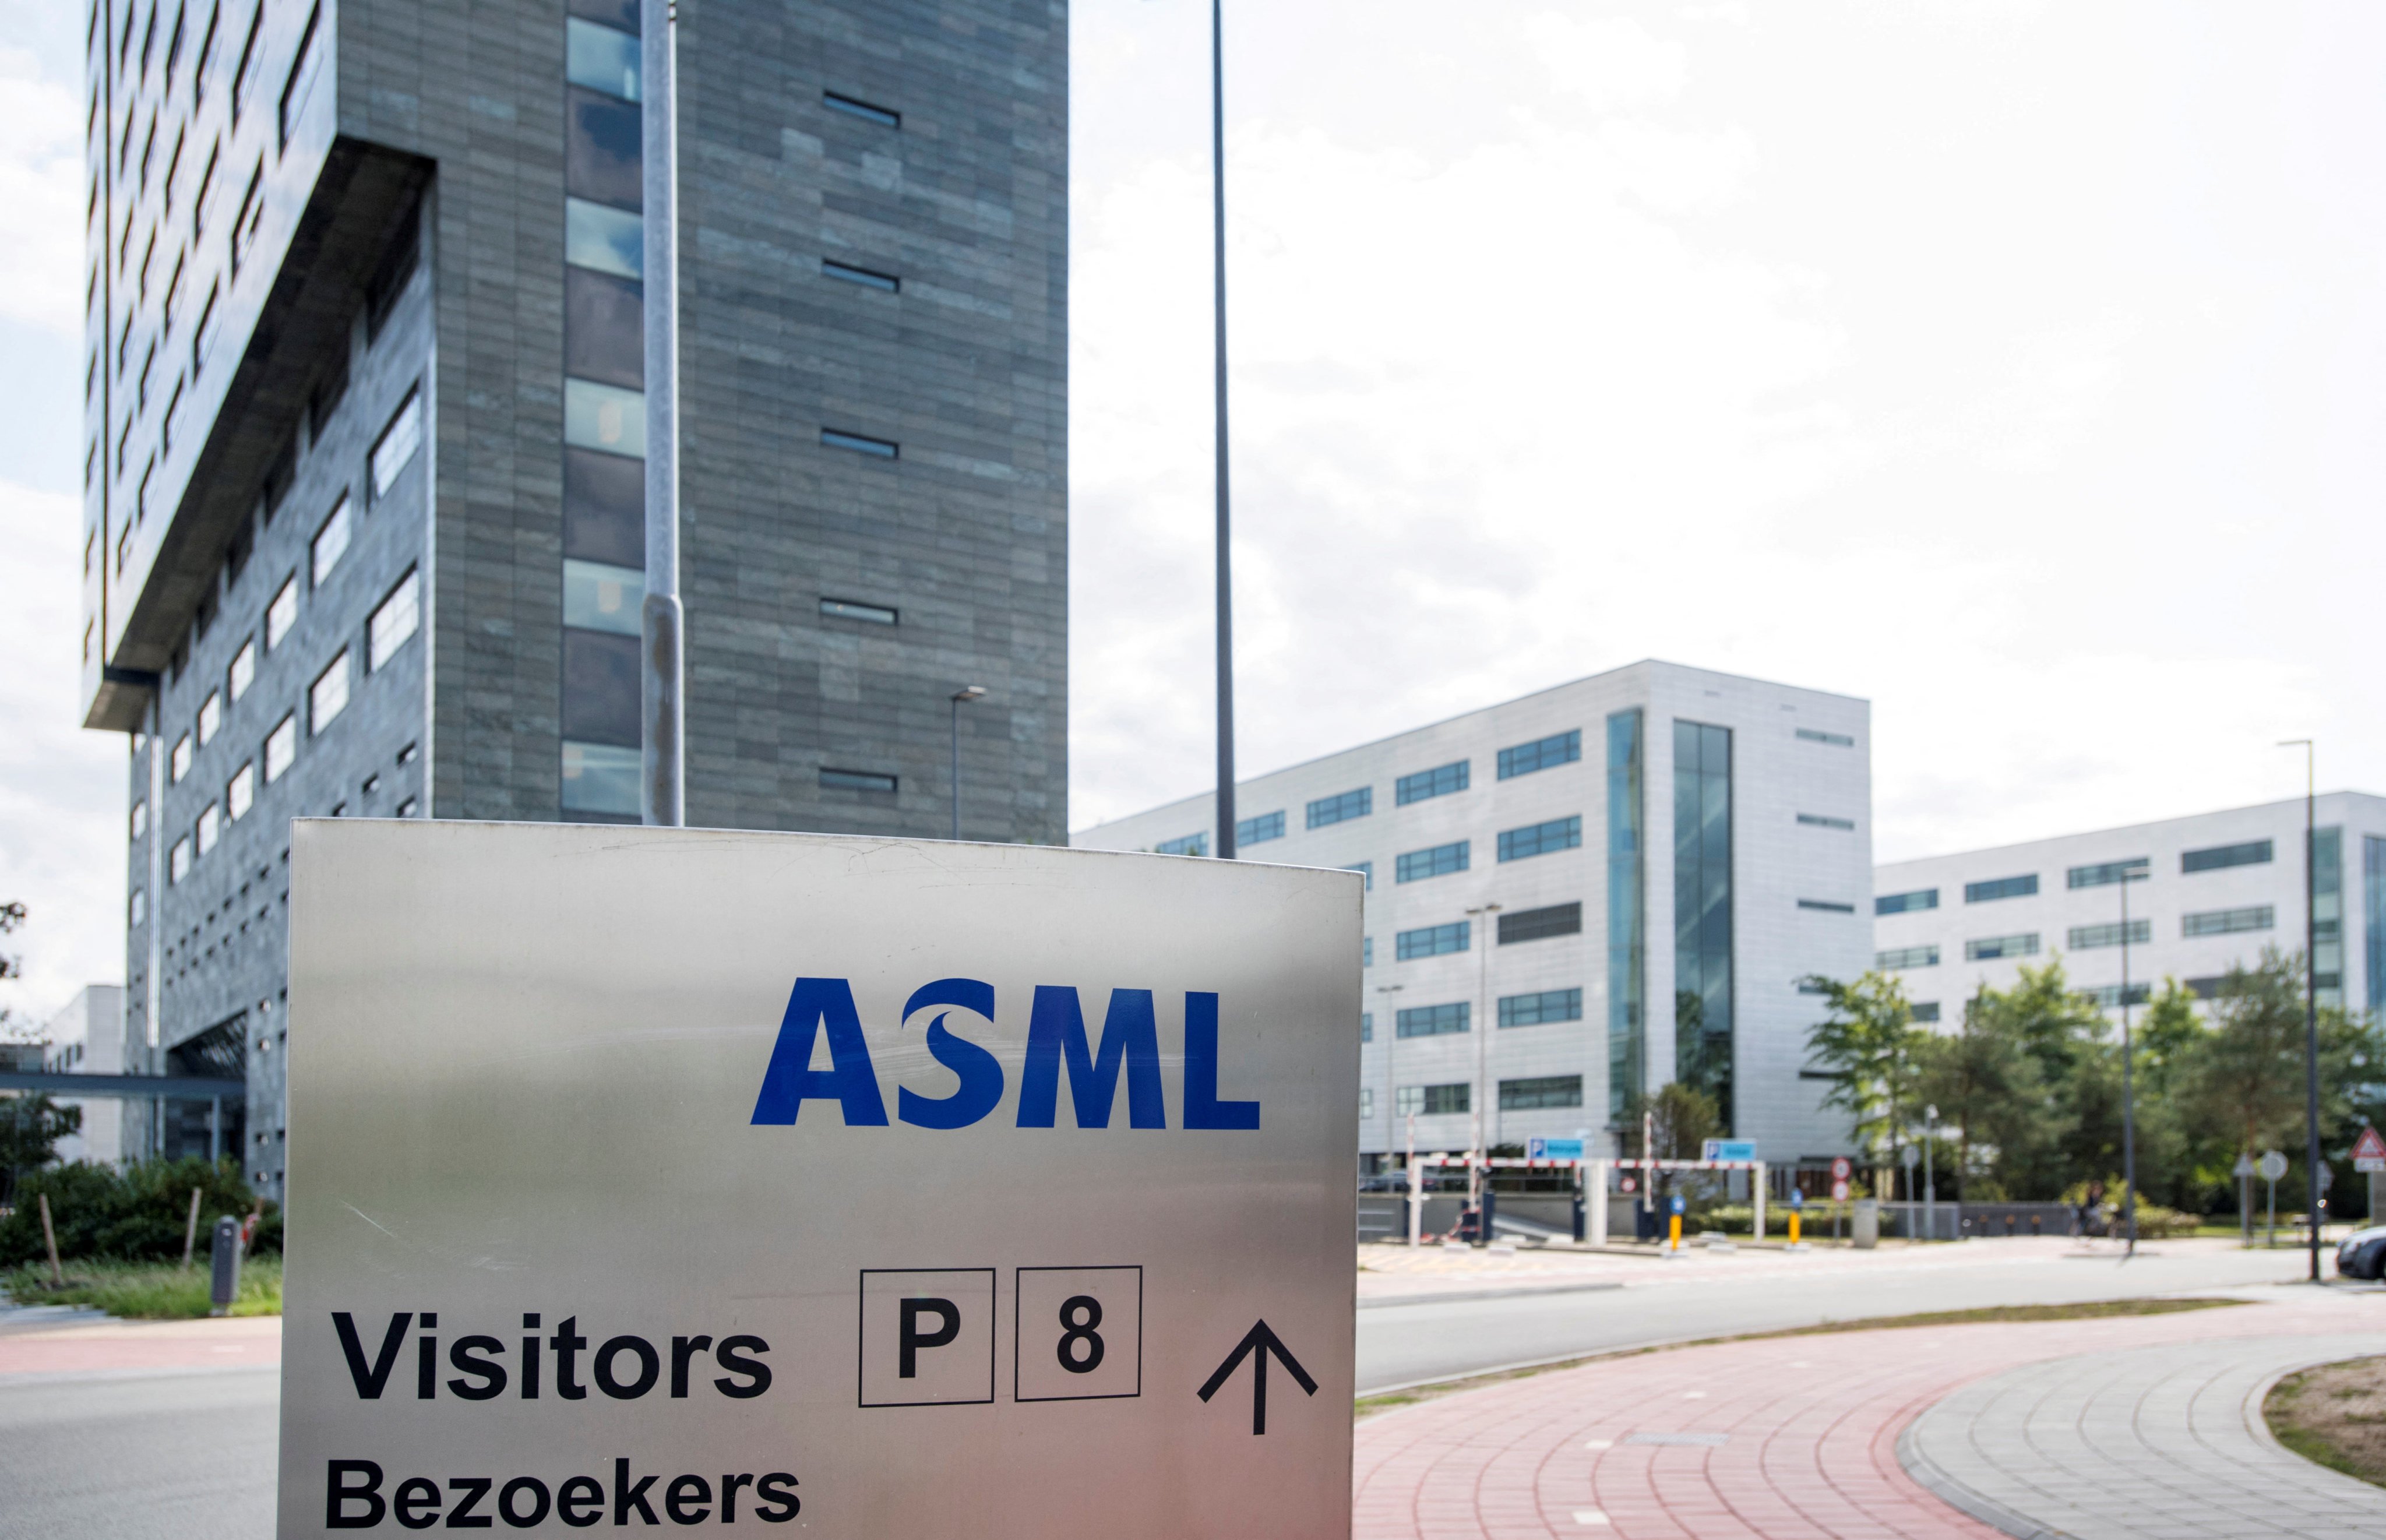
{"type": "Point", "coordinates": [650, 1178]}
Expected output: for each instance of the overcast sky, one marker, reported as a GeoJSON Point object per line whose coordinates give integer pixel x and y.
{"type": "Point", "coordinates": [2016, 367]}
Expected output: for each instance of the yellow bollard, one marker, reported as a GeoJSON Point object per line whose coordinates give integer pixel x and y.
{"type": "Point", "coordinates": [1674, 1232]}
{"type": "Point", "coordinates": [1793, 1227]}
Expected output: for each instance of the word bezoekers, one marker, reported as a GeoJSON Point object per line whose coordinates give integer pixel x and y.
{"type": "Point", "coordinates": [1129, 1050]}
{"type": "Point", "coordinates": [354, 1498]}
{"type": "Point", "coordinates": [623, 1368]}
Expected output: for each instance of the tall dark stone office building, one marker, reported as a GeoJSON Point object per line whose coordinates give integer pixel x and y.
{"type": "Point", "coordinates": [363, 476]}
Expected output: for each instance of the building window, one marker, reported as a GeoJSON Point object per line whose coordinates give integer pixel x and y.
{"type": "Point", "coordinates": [1627, 930]}
{"type": "Point", "coordinates": [328, 696]}
{"type": "Point", "coordinates": [244, 79]}
{"type": "Point", "coordinates": [1898, 958]}
{"type": "Point", "coordinates": [600, 778]}
{"type": "Point", "coordinates": [1533, 1010]}
{"type": "Point", "coordinates": [2108, 997]}
{"type": "Point", "coordinates": [140, 819]}
{"type": "Point", "coordinates": [1437, 1101]}
{"type": "Point", "coordinates": [240, 792]}
{"type": "Point", "coordinates": [178, 764]}
{"type": "Point", "coordinates": [2327, 915]}
{"type": "Point", "coordinates": [1702, 912]}
{"type": "Point", "coordinates": [1366, 951]}
{"type": "Point", "coordinates": [301, 83]}
{"type": "Point", "coordinates": [1540, 839]}
{"type": "Point", "coordinates": [844, 272]}
{"type": "Point", "coordinates": [178, 861]}
{"type": "Point", "coordinates": [604, 329]}
{"type": "Point", "coordinates": [248, 223]}
{"type": "Point", "coordinates": [138, 909]}
{"type": "Point", "coordinates": [210, 827]}
{"type": "Point", "coordinates": [210, 717]}
{"type": "Point", "coordinates": [1925, 1010]}
{"type": "Point", "coordinates": [603, 149]}
{"type": "Point", "coordinates": [2105, 873]}
{"type": "Point", "coordinates": [2000, 887]}
{"type": "Point", "coordinates": [1438, 861]}
{"type": "Point", "coordinates": [1342, 807]}
{"type": "Point", "coordinates": [281, 614]}
{"type": "Point", "coordinates": [1257, 830]}
{"type": "Point", "coordinates": [885, 118]}
{"type": "Point", "coordinates": [1366, 1026]}
{"type": "Point", "coordinates": [2086, 938]}
{"type": "Point", "coordinates": [854, 609]}
{"type": "Point", "coordinates": [2251, 853]}
{"type": "Point", "coordinates": [242, 672]}
{"type": "Point", "coordinates": [1823, 820]}
{"type": "Point", "coordinates": [1836, 740]}
{"type": "Point", "coordinates": [600, 58]}
{"type": "Point", "coordinates": [403, 436]}
{"type": "Point", "coordinates": [330, 543]}
{"type": "Point", "coordinates": [1826, 906]}
{"type": "Point", "coordinates": [1562, 748]}
{"type": "Point", "coordinates": [1366, 1102]}
{"type": "Point", "coordinates": [281, 748]}
{"type": "Point", "coordinates": [1522, 1095]}
{"type": "Point", "coordinates": [1557, 920]}
{"type": "Point", "coordinates": [1191, 845]}
{"type": "Point", "coordinates": [1433, 1020]}
{"type": "Point", "coordinates": [601, 597]}
{"type": "Point", "coordinates": [603, 417]}
{"type": "Point", "coordinates": [1433, 940]}
{"type": "Point", "coordinates": [856, 781]}
{"type": "Point", "coordinates": [1906, 903]}
{"type": "Point", "coordinates": [407, 807]}
{"type": "Point", "coordinates": [1990, 949]}
{"type": "Point", "coordinates": [203, 338]}
{"type": "Point", "coordinates": [860, 444]}
{"type": "Point", "coordinates": [1366, 869]}
{"type": "Point", "coordinates": [396, 620]}
{"type": "Point", "coordinates": [1440, 781]}
{"type": "Point", "coordinates": [601, 688]}
{"type": "Point", "coordinates": [604, 240]}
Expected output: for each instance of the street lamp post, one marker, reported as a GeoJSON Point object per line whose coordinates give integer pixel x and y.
{"type": "Point", "coordinates": [1481, 916]}
{"type": "Point", "coordinates": [2311, 993]}
{"type": "Point", "coordinates": [961, 697]}
{"type": "Point", "coordinates": [2129, 1086]}
{"type": "Point", "coordinates": [1930, 1180]}
{"type": "Point", "coordinates": [1225, 574]}
{"type": "Point", "coordinates": [662, 759]}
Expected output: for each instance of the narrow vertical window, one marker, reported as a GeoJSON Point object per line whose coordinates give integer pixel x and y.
{"type": "Point", "coordinates": [1702, 912]}
{"type": "Point", "coordinates": [399, 618]}
{"type": "Point", "coordinates": [1626, 928]}
{"type": "Point", "coordinates": [330, 543]}
{"type": "Point", "coordinates": [328, 696]}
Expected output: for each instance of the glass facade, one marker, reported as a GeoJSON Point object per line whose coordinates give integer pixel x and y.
{"type": "Point", "coordinates": [2373, 916]}
{"type": "Point", "coordinates": [1906, 903]}
{"type": "Point", "coordinates": [2327, 915]}
{"type": "Point", "coordinates": [1627, 923]}
{"type": "Point", "coordinates": [1702, 981]}
{"type": "Point", "coordinates": [2000, 887]}
{"type": "Point", "coordinates": [1563, 748]}
{"type": "Point", "coordinates": [1440, 781]}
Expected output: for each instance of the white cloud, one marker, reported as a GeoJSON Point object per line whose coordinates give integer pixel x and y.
{"type": "Point", "coordinates": [42, 194]}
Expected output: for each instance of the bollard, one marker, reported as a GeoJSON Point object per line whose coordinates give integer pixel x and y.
{"type": "Point", "coordinates": [50, 1239]}
{"type": "Point", "coordinates": [1793, 1227]}
{"type": "Point", "coordinates": [1490, 1213]}
{"type": "Point", "coordinates": [224, 1283]}
{"type": "Point", "coordinates": [1674, 1232]}
{"type": "Point", "coordinates": [191, 1231]}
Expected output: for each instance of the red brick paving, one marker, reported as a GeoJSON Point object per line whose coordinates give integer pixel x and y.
{"type": "Point", "coordinates": [1811, 1423]}
{"type": "Point", "coordinates": [240, 1341]}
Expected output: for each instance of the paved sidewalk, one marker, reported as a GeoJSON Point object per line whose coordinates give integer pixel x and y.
{"type": "Point", "coordinates": [1791, 1436]}
{"type": "Point", "coordinates": [2159, 1442]}
{"type": "Point", "coordinates": [83, 1346]}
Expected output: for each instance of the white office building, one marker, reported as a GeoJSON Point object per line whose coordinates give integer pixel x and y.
{"type": "Point", "coordinates": [1557, 867]}
{"type": "Point", "coordinates": [87, 1037]}
{"type": "Point", "coordinates": [2207, 892]}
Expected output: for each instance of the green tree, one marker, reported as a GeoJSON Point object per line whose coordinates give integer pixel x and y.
{"type": "Point", "coordinates": [1681, 1119]}
{"type": "Point", "coordinates": [1992, 1097]}
{"type": "Point", "coordinates": [30, 1127]}
{"type": "Point", "coordinates": [1871, 1049]}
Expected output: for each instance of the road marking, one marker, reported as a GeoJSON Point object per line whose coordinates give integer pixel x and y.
{"type": "Point", "coordinates": [1600, 1443]}
{"type": "Point", "coordinates": [1590, 1517]}
{"type": "Point", "coordinates": [1694, 1396]}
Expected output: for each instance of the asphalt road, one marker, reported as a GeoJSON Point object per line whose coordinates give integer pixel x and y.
{"type": "Point", "coordinates": [1402, 1344]}
{"type": "Point", "coordinates": [173, 1455]}
{"type": "Point", "coordinates": [190, 1455]}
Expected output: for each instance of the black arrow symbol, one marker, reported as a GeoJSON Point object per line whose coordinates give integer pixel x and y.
{"type": "Point", "coordinates": [1259, 1342]}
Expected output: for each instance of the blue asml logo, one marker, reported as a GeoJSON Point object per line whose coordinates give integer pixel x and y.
{"type": "Point", "coordinates": [1129, 1050]}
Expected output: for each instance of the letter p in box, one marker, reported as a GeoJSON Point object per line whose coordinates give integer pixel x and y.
{"type": "Point", "coordinates": [644, 1176]}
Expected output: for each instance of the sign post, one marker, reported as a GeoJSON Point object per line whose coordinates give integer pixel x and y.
{"type": "Point", "coordinates": [1841, 1169]}
{"type": "Point", "coordinates": [2272, 1166]}
{"type": "Point", "coordinates": [2243, 1172]}
{"type": "Point", "coordinates": [645, 1175]}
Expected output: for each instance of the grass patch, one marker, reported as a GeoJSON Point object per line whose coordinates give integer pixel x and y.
{"type": "Point", "coordinates": [2094, 1309]}
{"type": "Point", "coordinates": [2334, 1415]}
{"type": "Point", "coordinates": [148, 1291]}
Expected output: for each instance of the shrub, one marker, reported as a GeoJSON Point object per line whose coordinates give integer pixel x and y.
{"type": "Point", "coordinates": [135, 1214]}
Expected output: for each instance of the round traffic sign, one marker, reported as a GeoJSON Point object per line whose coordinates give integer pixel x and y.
{"type": "Point", "coordinates": [1797, 1197]}
{"type": "Point", "coordinates": [2272, 1166]}
{"type": "Point", "coordinates": [1841, 1169]}
{"type": "Point", "coordinates": [1679, 1205]}
{"type": "Point", "coordinates": [1910, 1156]}
{"type": "Point", "coordinates": [1839, 1192]}
{"type": "Point", "coordinates": [1629, 1185]}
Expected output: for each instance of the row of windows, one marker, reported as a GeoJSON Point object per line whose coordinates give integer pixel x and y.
{"type": "Point", "coordinates": [1257, 830]}
{"type": "Point", "coordinates": [2083, 938]}
{"type": "Point", "coordinates": [1438, 861]}
{"type": "Point", "coordinates": [2099, 874]}
{"type": "Point", "coordinates": [1457, 1097]}
{"type": "Point", "coordinates": [1440, 781]}
{"type": "Point", "coordinates": [1516, 926]}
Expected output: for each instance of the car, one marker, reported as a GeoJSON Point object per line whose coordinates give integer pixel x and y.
{"type": "Point", "coordinates": [2362, 1254]}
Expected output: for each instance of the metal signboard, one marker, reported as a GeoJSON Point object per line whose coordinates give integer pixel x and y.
{"type": "Point", "coordinates": [1728, 1149]}
{"type": "Point", "coordinates": [2370, 1151]}
{"type": "Point", "coordinates": [2272, 1166]}
{"type": "Point", "coordinates": [1553, 1149]}
{"type": "Point", "coordinates": [873, 1187]}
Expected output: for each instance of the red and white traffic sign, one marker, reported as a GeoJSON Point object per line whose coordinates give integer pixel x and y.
{"type": "Point", "coordinates": [2370, 1151]}
{"type": "Point", "coordinates": [1841, 1168]}
{"type": "Point", "coordinates": [1839, 1192]}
